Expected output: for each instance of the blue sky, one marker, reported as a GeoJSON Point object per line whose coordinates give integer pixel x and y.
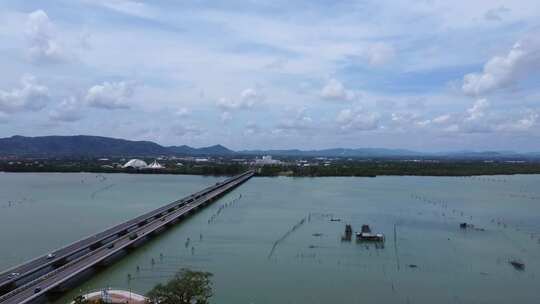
{"type": "Point", "coordinates": [425, 75]}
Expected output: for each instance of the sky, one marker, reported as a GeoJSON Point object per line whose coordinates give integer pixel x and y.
{"type": "Point", "coordinates": [425, 75]}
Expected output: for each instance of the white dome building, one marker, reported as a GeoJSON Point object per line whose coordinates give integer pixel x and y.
{"type": "Point", "coordinates": [135, 164]}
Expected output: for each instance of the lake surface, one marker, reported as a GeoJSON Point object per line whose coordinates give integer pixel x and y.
{"type": "Point", "coordinates": [277, 243]}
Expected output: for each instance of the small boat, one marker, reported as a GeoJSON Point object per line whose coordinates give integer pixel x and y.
{"type": "Point", "coordinates": [370, 237]}
{"type": "Point", "coordinates": [335, 219]}
{"type": "Point", "coordinates": [517, 264]}
{"type": "Point", "coordinates": [367, 236]}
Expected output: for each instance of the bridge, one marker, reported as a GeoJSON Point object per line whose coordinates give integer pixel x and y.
{"type": "Point", "coordinates": [35, 280]}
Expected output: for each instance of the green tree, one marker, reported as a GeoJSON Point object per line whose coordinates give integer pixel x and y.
{"type": "Point", "coordinates": [187, 287]}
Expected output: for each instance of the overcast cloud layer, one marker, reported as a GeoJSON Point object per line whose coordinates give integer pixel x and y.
{"type": "Point", "coordinates": [424, 75]}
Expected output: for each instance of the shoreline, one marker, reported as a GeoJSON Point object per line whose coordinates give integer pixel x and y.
{"type": "Point", "coordinates": [270, 175]}
{"type": "Point", "coordinates": [294, 169]}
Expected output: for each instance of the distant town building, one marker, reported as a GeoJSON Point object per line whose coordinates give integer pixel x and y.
{"type": "Point", "coordinates": [239, 160]}
{"type": "Point", "coordinates": [266, 160]}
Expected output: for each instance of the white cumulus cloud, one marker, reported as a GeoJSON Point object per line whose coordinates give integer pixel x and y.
{"type": "Point", "coordinates": [42, 40]}
{"type": "Point", "coordinates": [301, 121]}
{"type": "Point", "coordinates": [335, 90]}
{"type": "Point", "coordinates": [442, 119]}
{"type": "Point", "coordinates": [478, 109]}
{"type": "Point", "coordinates": [502, 71]}
{"type": "Point", "coordinates": [476, 119]}
{"type": "Point", "coordinates": [522, 124]}
{"type": "Point", "coordinates": [110, 95]}
{"type": "Point", "coordinates": [248, 99]}
{"type": "Point", "coordinates": [30, 97]}
{"type": "Point", "coordinates": [354, 119]}
{"type": "Point", "coordinates": [69, 110]}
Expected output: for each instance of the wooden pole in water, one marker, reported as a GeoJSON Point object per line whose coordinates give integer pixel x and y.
{"type": "Point", "coordinates": [395, 247]}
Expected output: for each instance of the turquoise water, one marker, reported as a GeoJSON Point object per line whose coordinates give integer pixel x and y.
{"type": "Point", "coordinates": [256, 256]}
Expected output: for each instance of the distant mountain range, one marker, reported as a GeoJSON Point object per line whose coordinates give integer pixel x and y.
{"type": "Point", "coordinates": [97, 146]}
{"type": "Point", "coordinates": [211, 150]}
{"type": "Point", "coordinates": [337, 152]}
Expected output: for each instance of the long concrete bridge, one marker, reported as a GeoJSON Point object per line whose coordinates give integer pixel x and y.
{"type": "Point", "coordinates": [35, 280]}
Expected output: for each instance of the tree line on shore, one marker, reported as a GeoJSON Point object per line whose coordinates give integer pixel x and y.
{"type": "Point", "coordinates": [348, 168]}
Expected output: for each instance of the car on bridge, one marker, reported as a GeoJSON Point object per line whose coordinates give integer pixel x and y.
{"type": "Point", "coordinates": [13, 275]}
